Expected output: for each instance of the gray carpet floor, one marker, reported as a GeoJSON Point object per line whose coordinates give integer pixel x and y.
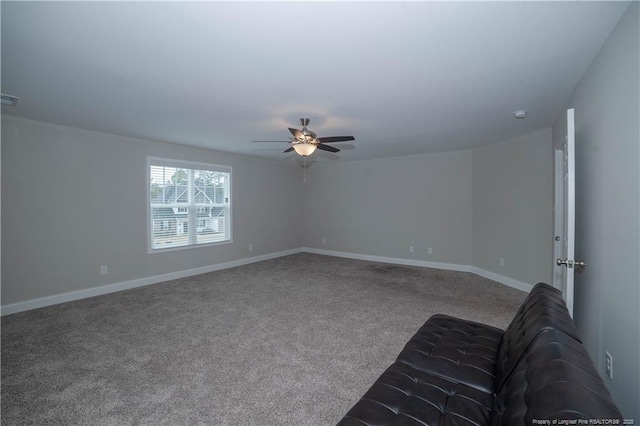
{"type": "Point", "coordinates": [290, 341]}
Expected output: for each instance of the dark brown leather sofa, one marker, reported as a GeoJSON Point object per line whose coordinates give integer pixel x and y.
{"type": "Point", "coordinates": [458, 372]}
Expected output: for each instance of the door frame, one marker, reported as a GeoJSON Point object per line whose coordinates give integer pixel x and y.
{"type": "Point", "coordinates": [558, 215]}
{"type": "Point", "coordinates": [563, 138]}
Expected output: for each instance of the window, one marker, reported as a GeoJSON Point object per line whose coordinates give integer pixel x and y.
{"type": "Point", "coordinates": [189, 204]}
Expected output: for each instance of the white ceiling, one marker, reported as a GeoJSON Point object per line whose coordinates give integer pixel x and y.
{"type": "Point", "coordinates": [403, 78]}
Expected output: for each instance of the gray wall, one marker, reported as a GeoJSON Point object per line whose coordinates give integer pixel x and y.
{"type": "Point", "coordinates": [607, 299]}
{"type": "Point", "coordinates": [381, 207]}
{"type": "Point", "coordinates": [471, 207]}
{"type": "Point", "coordinates": [74, 200]}
{"type": "Point", "coordinates": [513, 207]}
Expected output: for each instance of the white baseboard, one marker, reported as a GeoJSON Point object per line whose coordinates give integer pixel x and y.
{"type": "Point", "coordinates": [510, 282]}
{"type": "Point", "coordinates": [393, 260]}
{"type": "Point", "coordinates": [140, 282]}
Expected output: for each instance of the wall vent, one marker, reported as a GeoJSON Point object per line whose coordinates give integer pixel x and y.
{"type": "Point", "coordinates": [9, 100]}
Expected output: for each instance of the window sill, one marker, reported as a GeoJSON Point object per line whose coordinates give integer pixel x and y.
{"type": "Point", "coordinates": [189, 247]}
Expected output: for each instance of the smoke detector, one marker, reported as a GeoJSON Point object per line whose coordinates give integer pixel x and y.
{"type": "Point", "coordinates": [520, 114]}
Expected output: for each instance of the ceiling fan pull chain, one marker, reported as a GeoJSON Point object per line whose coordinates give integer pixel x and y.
{"type": "Point", "coordinates": [305, 169]}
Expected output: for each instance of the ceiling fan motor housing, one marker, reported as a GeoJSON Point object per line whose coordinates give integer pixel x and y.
{"type": "Point", "coordinates": [308, 135]}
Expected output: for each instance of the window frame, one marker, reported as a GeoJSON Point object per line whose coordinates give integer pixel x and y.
{"type": "Point", "coordinates": [193, 165]}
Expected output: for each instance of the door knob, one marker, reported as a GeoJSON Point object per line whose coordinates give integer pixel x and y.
{"type": "Point", "coordinates": [570, 263]}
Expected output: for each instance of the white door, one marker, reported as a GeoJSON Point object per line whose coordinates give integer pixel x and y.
{"type": "Point", "coordinates": [565, 215]}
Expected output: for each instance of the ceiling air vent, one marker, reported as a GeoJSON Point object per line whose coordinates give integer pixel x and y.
{"type": "Point", "coordinates": [9, 100]}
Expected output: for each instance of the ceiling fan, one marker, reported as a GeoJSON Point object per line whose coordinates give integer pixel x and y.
{"type": "Point", "coordinates": [304, 142]}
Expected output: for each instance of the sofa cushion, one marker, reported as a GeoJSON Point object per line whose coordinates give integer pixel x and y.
{"type": "Point", "coordinates": [543, 310]}
{"type": "Point", "coordinates": [462, 351]}
{"type": "Point", "coordinates": [406, 396]}
{"type": "Point", "coordinates": [555, 379]}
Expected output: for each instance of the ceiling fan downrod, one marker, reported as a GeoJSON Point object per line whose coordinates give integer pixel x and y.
{"type": "Point", "coordinates": [308, 135]}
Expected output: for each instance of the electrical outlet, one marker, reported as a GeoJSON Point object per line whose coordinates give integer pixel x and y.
{"type": "Point", "coordinates": [609, 364]}
{"type": "Point", "coordinates": [324, 240]}
{"type": "Point", "coordinates": [250, 247]}
{"type": "Point", "coordinates": [430, 250]}
{"type": "Point", "coordinates": [502, 262]}
{"type": "Point", "coordinates": [104, 270]}
{"type": "Point", "coordinates": [410, 249]}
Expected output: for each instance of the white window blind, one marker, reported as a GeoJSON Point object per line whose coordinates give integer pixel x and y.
{"type": "Point", "coordinates": [189, 204]}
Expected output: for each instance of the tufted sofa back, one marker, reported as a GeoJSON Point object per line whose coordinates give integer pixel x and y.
{"type": "Point", "coordinates": [555, 379]}
{"type": "Point", "coordinates": [543, 310]}
{"type": "Point", "coordinates": [543, 371]}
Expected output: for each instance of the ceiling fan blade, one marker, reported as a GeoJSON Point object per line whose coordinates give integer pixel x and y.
{"type": "Point", "coordinates": [296, 133]}
{"type": "Point", "coordinates": [272, 141]}
{"type": "Point", "coordinates": [288, 149]}
{"type": "Point", "coordinates": [327, 148]}
{"type": "Point", "coordinates": [336, 139]}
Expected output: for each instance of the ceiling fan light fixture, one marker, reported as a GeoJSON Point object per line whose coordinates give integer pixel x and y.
{"type": "Point", "coordinates": [304, 149]}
